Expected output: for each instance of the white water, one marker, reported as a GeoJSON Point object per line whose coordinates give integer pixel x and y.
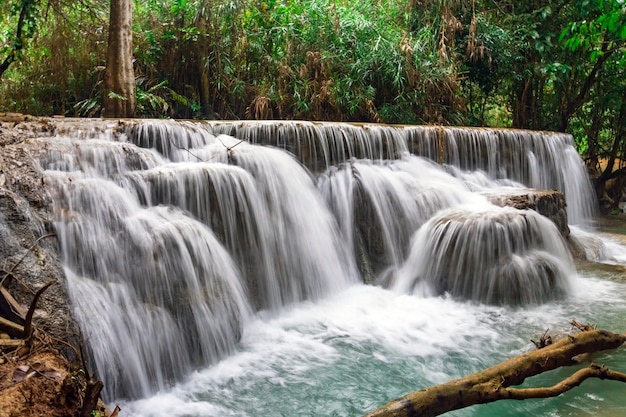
{"type": "Point", "coordinates": [536, 159]}
{"type": "Point", "coordinates": [350, 353]}
{"type": "Point", "coordinates": [491, 254]}
{"type": "Point", "coordinates": [204, 251]}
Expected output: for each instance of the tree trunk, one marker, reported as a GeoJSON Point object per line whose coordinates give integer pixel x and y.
{"type": "Point", "coordinates": [493, 384]}
{"type": "Point", "coordinates": [119, 78]}
{"type": "Point", "coordinates": [522, 104]}
{"type": "Point", "coordinates": [619, 132]}
{"type": "Point", "coordinates": [593, 141]}
{"type": "Point", "coordinates": [202, 51]}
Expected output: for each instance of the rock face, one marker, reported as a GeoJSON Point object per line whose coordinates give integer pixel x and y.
{"type": "Point", "coordinates": [548, 203]}
{"type": "Point", "coordinates": [29, 256]}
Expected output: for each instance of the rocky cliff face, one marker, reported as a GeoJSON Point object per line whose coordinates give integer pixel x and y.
{"type": "Point", "coordinates": [29, 256]}
{"type": "Point", "coordinates": [29, 259]}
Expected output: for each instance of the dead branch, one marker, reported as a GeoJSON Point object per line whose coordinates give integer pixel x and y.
{"type": "Point", "coordinates": [9, 308]}
{"type": "Point", "coordinates": [544, 340]}
{"type": "Point", "coordinates": [493, 384]}
{"type": "Point", "coordinates": [28, 327]}
{"type": "Point", "coordinates": [92, 394]}
{"type": "Point", "coordinates": [593, 371]}
{"type": "Point", "coordinates": [582, 327]}
{"type": "Point", "coordinates": [10, 344]}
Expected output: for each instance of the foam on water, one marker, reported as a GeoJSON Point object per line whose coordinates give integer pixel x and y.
{"type": "Point", "coordinates": [345, 355]}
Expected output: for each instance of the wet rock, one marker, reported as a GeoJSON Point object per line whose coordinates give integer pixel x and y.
{"type": "Point", "coordinates": [494, 255]}
{"type": "Point", "coordinates": [549, 203]}
{"type": "Point", "coordinates": [29, 253]}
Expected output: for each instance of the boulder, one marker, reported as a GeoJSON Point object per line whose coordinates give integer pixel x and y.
{"type": "Point", "coordinates": [548, 203]}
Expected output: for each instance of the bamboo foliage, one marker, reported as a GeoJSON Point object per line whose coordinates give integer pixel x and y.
{"type": "Point", "coordinates": [529, 64]}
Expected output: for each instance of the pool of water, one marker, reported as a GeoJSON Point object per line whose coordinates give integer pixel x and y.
{"type": "Point", "coordinates": [350, 353]}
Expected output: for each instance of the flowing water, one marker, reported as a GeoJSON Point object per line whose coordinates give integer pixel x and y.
{"type": "Point", "coordinates": [301, 269]}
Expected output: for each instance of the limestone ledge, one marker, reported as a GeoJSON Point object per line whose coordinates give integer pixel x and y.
{"type": "Point", "coordinates": [548, 203]}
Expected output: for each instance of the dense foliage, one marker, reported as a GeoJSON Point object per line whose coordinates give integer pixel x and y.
{"type": "Point", "coordinates": [539, 64]}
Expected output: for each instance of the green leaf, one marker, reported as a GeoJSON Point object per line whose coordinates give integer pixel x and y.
{"type": "Point", "coordinates": [156, 87]}
{"type": "Point", "coordinates": [114, 95]}
{"type": "Point", "coordinates": [595, 54]}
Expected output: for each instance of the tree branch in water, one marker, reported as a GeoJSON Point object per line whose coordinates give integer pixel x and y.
{"type": "Point", "coordinates": [493, 384]}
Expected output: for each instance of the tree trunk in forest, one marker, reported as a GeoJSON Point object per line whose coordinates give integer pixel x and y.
{"type": "Point", "coordinates": [494, 383]}
{"type": "Point", "coordinates": [522, 108]}
{"type": "Point", "coordinates": [119, 78]}
{"type": "Point", "coordinates": [574, 104]}
{"type": "Point", "coordinates": [202, 51]}
{"type": "Point", "coordinates": [593, 141]}
{"type": "Point", "coordinates": [611, 183]}
{"type": "Point", "coordinates": [619, 133]}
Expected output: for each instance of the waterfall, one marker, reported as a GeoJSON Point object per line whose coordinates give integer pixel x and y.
{"type": "Point", "coordinates": [541, 160]}
{"type": "Point", "coordinates": [491, 254]}
{"type": "Point", "coordinates": [175, 234]}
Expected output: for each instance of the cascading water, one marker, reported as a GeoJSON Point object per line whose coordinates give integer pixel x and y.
{"type": "Point", "coordinates": [535, 159]}
{"type": "Point", "coordinates": [491, 254]}
{"type": "Point", "coordinates": [179, 237]}
{"type": "Point", "coordinates": [175, 254]}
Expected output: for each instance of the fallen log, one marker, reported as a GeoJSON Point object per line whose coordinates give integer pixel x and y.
{"type": "Point", "coordinates": [495, 383]}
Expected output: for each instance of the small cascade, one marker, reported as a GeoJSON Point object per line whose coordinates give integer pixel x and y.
{"type": "Point", "coordinates": [276, 241]}
{"type": "Point", "coordinates": [175, 233]}
{"type": "Point", "coordinates": [541, 160]}
{"type": "Point", "coordinates": [379, 207]}
{"type": "Point", "coordinates": [155, 292]}
{"type": "Point", "coordinates": [320, 145]}
{"type": "Point", "coordinates": [490, 254]}
{"type": "Point", "coordinates": [545, 161]}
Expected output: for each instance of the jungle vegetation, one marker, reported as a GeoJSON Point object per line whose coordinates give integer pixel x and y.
{"type": "Point", "coordinates": [540, 64]}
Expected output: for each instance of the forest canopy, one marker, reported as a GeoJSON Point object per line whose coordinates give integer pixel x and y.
{"type": "Point", "coordinates": [541, 64]}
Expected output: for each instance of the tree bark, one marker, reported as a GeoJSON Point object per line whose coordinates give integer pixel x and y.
{"type": "Point", "coordinates": [619, 133]}
{"type": "Point", "coordinates": [493, 384]}
{"type": "Point", "coordinates": [522, 105]}
{"type": "Point", "coordinates": [202, 50]}
{"type": "Point", "coordinates": [119, 78]}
